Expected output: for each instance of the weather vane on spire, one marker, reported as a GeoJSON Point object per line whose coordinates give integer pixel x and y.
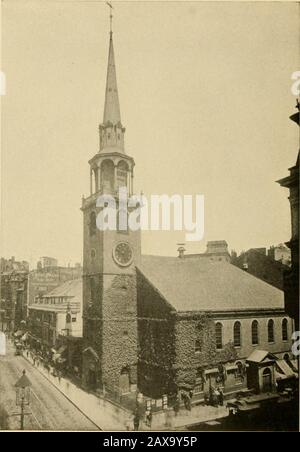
{"type": "Point", "coordinates": [110, 15]}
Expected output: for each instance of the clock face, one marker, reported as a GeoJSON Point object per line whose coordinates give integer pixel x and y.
{"type": "Point", "coordinates": [123, 254]}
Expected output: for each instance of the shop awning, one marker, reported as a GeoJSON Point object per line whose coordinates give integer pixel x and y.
{"type": "Point", "coordinates": [231, 367]}
{"type": "Point", "coordinates": [284, 370]}
{"type": "Point", "coordinates": [215, 370]}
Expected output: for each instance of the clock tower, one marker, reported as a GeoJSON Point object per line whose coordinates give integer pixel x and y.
{"type": "Point", "coordinates": [109, 259]}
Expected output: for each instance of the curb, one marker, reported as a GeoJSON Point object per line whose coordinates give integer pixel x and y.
{"type": "Point", "coordinates": [41, 373]}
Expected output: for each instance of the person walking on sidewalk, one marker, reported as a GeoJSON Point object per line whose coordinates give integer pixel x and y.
{"type": "Point", "coordinates": [136, 420]}
{"type": "Point", "coordinates": [149, 417]}
{"type": "Point", "coordinates": [221, 397]}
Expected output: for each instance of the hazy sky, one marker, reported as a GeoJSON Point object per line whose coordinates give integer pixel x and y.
{"type": "Point", "coordinates": [205, 94]}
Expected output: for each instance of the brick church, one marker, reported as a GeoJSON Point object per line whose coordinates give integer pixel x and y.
{"type": "Point", "coordinates": [161, 325]}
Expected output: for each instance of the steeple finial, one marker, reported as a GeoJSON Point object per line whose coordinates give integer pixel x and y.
{"type": "Point", "coordinates": [110, 16]}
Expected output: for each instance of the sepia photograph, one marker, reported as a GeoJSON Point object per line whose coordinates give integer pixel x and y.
{"type": "Point", "coordinates": [149, 218]}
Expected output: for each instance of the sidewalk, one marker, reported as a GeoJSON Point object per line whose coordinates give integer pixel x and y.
{"type": "Point", "coordinates": [112, 417]}
{"type": "Point", "coordinates": [199, 413]}
{"type": "Point", "coordinates": [104, 414]}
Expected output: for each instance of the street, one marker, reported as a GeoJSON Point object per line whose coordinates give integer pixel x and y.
{"type": "Point", "coordinates": [49, 409]}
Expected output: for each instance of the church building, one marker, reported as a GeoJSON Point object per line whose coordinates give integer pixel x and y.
{"type": "Point", "coordinates": [161, 325]}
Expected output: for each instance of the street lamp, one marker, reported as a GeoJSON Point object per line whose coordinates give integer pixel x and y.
{"type": "Point", "coordinates": [23, 395]}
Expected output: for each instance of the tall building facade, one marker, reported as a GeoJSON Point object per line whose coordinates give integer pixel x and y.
{"type": "Point", "coordinates": [291, 279]}
{"type": "Point", "coordinates": [109, 258]}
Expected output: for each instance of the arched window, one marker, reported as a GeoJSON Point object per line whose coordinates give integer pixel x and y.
{"type": "Point", "coordinates": [219, 334]}
{"type": "Point", "coordinates": [197, 346]}
{"type": "Point", "coordinates": [284, 329]}
{"type": "Point", "coordinates": [271, 330]}
{"type": "Point", "coordinates": [254, 332]}
{"type": "Point", "coordinates": [237, 334]}
{"type": "Point", "coordinates": [107, 176]}
{"type": "Point", "coordinates": [122, 170]}
{"type": "Point", "coordinates": [92, 224]}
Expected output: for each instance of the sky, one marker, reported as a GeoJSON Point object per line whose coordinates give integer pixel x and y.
{"type": "Point", "coordinates": [205, 96]}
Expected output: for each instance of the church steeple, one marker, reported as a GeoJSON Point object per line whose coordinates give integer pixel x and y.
{"type": "Point", "coordinates": [111, 105]}
{"type": "Point", "coordinates": [111, 130]}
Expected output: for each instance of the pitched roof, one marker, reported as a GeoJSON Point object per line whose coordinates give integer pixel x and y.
{"type": "Point", "coordinates": [258, 356]}
{"type": "Point", "coordinates": [204, 285]}
{"type": "Point", "coordinates": [70, 291]}
{"type": "Point", "coordinates": [71, 288]}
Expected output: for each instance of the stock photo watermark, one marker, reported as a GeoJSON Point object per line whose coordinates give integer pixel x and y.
{"type": "Point", "coordinates": [156, 213]}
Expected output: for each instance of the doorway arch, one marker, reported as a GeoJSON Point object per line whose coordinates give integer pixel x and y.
{"type": "Point", "coordinates": [267, 380]}
{"type": "Point", "coordinates": [124, 381]}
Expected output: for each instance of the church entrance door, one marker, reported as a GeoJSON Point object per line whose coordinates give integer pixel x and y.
{"type": "Point", "coordinates": [267, 380]}
{"type": "Point", "coordinates": [124, 383]}
{"type": "Point", "coordinates": [92, 380]}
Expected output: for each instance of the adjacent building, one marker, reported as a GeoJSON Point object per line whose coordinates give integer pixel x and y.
{"type": "Point", "coordinates": [256, 262]}
{"type": "Point", "coordinates": [291, 279]}
{"type": "Point", "coordinates": [58, 313]}
{"type": "Point", "coordinates": [55, 326]}
{"type": "Point", "coordinates": [13, 299]}
{"type": "Point", "coordinates": [216, 250]}
{"type": "Point", "coordinates": [45, 278]}
{"type": "Point", "coordinates": [280, 253]}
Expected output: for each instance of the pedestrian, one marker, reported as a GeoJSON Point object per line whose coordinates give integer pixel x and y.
{"type": "Point", "coordinates": [221, 397]}
{"type": "Point", "coordinates": [211, 396]}
{"type": "Point", "coordinates": [216, 396]}
{"type": "Point", "coordinates": [176, 406]}
{"type": "Point", "coordinates": [136, 420]}
{"type": "Point", "coordinates": [128, 422]}
{"type": "Point", "coordinates": [149, 417]}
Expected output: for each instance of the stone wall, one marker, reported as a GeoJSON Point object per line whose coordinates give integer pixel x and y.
{"type": "Point", "coordinates": [156, 339]}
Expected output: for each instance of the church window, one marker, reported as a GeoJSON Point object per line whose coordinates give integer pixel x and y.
{"type": "Point", "coordinates": [237, 334]}
{"type": "Point", "coordinates": [271, 330]}
{"type": "Point", "coordinates": [254, 332]}
{"type": "Point", "coordinates": [107, 175]}
{"type": "Point", "coordinates": [197, 346]}
{"type": "Point", "coordinates": [93, 253]}
{"type": "Point", "coordinates": [122, 171]}
{"type": "Point", "coordinates": [219, 335]}
{"type": "Point", "coordinates": [284, 328]}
